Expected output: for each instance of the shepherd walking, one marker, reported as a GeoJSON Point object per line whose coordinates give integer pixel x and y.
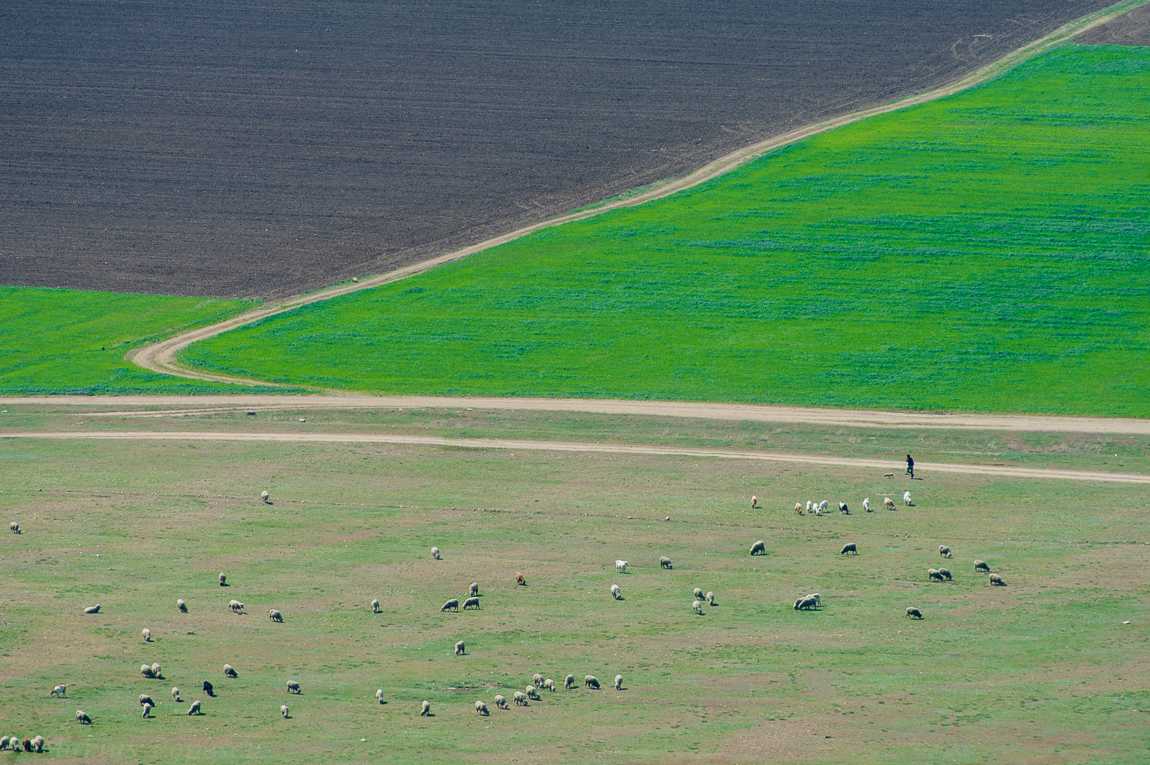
{"type": "Point", "coordinates": [909, 466]}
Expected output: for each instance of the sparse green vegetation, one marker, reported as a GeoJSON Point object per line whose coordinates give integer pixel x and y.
{"type": "Point", "coordinates": [983, 252]}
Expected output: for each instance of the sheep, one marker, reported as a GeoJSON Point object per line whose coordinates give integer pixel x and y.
{"type": "Point", "coordinates": [945, 573]}
{"type": "Point", "coordinates": [519, 698]}
{"type": "Point", "coordinates": [808, 506]}
{"type": "Point", "coordinates": [156, 671]}
{"type": "Point", "coordinates": [27, 745]}
{"type": "Point", "coordinates": [906, 499]}
{"type": "Point", "coordinates": [265, 497]}
{"type": "Point", "coordinates": [815, 509]}
{"type": "Point", "coordinates": [549, 684]}
{"type": "Point", "coordinates": [665, 562]}
{"type": "Point", "coordinates": [284, 711]}
{"type": "Point", "coordinates": [569, 682]}
{"type": "Point", "coordinates": [223, 579]}
{"type": "Point", "coordinates": [471, 603]}
{"type": "Point", "coordinates": [60, 692]}
{"type": "Point", "coordinates": [451, 605]}
{"type": "Point", "coordinates": [935, 575]}
{"type": "Point", "coordinates": [997, 580]}
{"type": "Point", "coordinates": [849, 547]}
{"type": "Point", "coordinates": [537, 679]}
{"type": "Point", "coordinates": [208, 688]}
{"type": "Point", "coordinates": [481, 709]}
{"type": "Point", "coordinates": [379, 695]}
{"type": "Point", "coordinates": [944, 551]}
{"type": "Point", "coordinates": [293, 687]}
{"type": "Point", "coordinates": [519, 579]}
{"type": "Point", "coordinates": [817, 598]}
{"type": "Point", "coordinates": [754, 502]}
{"type": "Point", "coordinates": [146, 699]}
{"type": "Point", "coordinates": [759, 547]}
{"type": "Point", "coordinates": [844, 509]}
{"type": "Point", "coordinates": [798, 508]}
{"type": "Point", "coordinates": [591, 681]}
{"type": "Point", "coordinates": [460, 649]}
{"type": "Point", "coordinates": [147, 635]}
{"type": "Point", "coordinates": [473, 589]}
{"type": "Point", "coordinates": [710, 598]}
{"type": "Point", "coordinates": [229, 671]}
{"type": "Point", "coordinates": [82, 717]}
{"type": "Point", "coordinates": [92, 609]}
{"type": "Point", "coordinates": [888, 503]}
{"type": "Point", "coordinates": [866, 505]}
{"type": "Point", "coordinates": [621, 566]}
{"type": "Point", "coordinates": [913, 613]}
{"type": "Point", "coordinates": [375, 606]}
{"type": "Point", "coordinates": [425, 709]}
{"type": "Point", "coordinates": [616, 592]}
{"type": "Point", "coordinates": [698, 594]}
{"type": "Point", "coordinates": [147, 710]}
{"type": "Point", "coordinates": [806, 604]}
{"type": "Point", "coordinates": [146, 671]}
{"type": "Point", "coordinates": [532, 693]}
{"type": "Point", "coordinates": [823, 506]}
{"type": "Point", "coordinates": [181, 606]}
{"type": "Point", "coordinates": [697, 607]}
{"type": "Point", "coordinates": [14, 527]}
{"type": "Point", "coordinates": [236, 606]}
{"type": "Point", "coordinates": [176, 695]}
{"type": "Point", "coordinates": [435, 553]}
{"type": "Point", "coordinates": [275, 616]}
{"type": "Point", "coordinates": [981, 565]}
{"type": "Point", "coordinates": [194, 709]}
{"type": "Point", "coordinates": [38, 744]}
{"type": "Point", "coordinates": [618, 682]}
{"type": "Point", "coordinates": [4, 742]}
{"type": "Point", "coordinates": [501, 702]}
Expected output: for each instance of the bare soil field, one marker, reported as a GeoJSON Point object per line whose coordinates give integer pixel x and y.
{"type": "Point", "coordinates": [1132, 28]}
{"type": "Point", "coordinates": [213, 149]}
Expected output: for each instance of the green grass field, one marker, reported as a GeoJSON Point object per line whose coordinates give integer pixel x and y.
{"type": "Point", "coordinates": [74, 341]}
{"type": "Point", "coordinates": [983, 252]}
{"type": "Point", "coordinates": [1043, 670]}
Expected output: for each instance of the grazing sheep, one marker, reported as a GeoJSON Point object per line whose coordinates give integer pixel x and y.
{"type": "Point", "coordinates": [866, 505]}
{"type": "Point", "coordinates": [697, 607]}
{"type": "Point", "coordinates": [549, 684]}
{"type": "Point", "coordinates": [147, 710]}
{"type": "Point", "coordinates": [537, 679]}
{"type": "Point", "coordinates": [451, 605]}
{"type": "Point", "coordinates": [471, 603]}
{"type": "Point", "coordinates": [208, 688]}
{"type": "Point", "coordinates": [906, 499]}
{"type": "Point", "coordinates": [888, 503]}
{"type": "Point", "coordinates": [181, 606]}
{"type": "Point", "coordinates": [519, 698]}
{"type": "Point", "coordinates": [798, 508]}
{"type": "Point", "coordinates": [236, 606]}
{"type": "Point", "coordinates": [698, 594]}
{"type": "Point", "coordinates": [375, 606]}
{"type": "Point", "coordinates": [710, 598]}
{"type": "Point", "coordinates": [379, 695]}
{"type": "Point", "coordinates": [460, 649]}
{"type": "Point", "coordinates": [823, 506]}
{"type": "Point", "coordinates": [501, 702]}
{"type": "Point", "coordinates": [265, 497]}
{"type": "Point", "coordinates": [229, 671]}
{"type": "Point", "coordinates": [38, 744]}
{"type": "Point", "coordinates": [532, 693]}
{"type": "Point", "coordinates": [913, 613]}
{"type": "Point", "coordinates": [621, 566]}
{"type": "Point", "coordinates": [591, 681]}
{"type": "Point", "coordinates": [194, 709]}
{"type": "Point", "coordinates": [616, 592]}
{"type": "Point", "coordinates": [82, 717]}
{"type": "Point", "coordinates": [147, 635]}
{"type": "Point", "coordinates": [4, 742]}
{"type": "Point", "coordinates": [816, 511]}
{"type": "Point", "coordinates": [60, 692]}
{"type": "Point", "coordinates": [569, 681]}
{"type": "Point", "coordinates": [156, 671]}
{"type": "Point", "coordinates": [844, 509]}
{"type": "Point", "coordinates": [284, 710]}
{"type": "Point", "coordinates": [146, 699]}
{"type": "Point", "coordinates": [473, 589]}
{"type": "Point", "coordinates": [618, 682]}
{"type": "Point", "coordinates": [945, 573]}
{"type": "Point", "coordinates": [176, 695]}
{"type": "Point", "coordinates": [146, 671]}
{"type": "Point", "coordinates": [808, 506]}
{"type": "Point", "coordinates": [425, 709]}
{"type": "Point", "coordinates": [754, 502]}
{"type": "Point", "coordinates": [817, 598]}
{"type": "Point", "coordinates": [92, 609]}
{"type": "Point", "coordinates": [665, 562]}
{"type": "Point", "coordinates": [14, 527]}
{"type": "Point", "coordinates": [519, 579]}
{"type": "Point", "coordinates": [981, 565]}
{"type": "Point", "coordinates": [27, 745]}
{"type": "Point", "coordinates": [435, 553]}
{"type": "Point", "coordinates": [944, 551]}
{"type": "Point", "coordinates": [759, 548]}
{"type": "Point", "coordinates": [805, 604]}
{"type": "Point", "coordinates": [935, 575]}
{"type": "Point", "coordinates": [275, 615]}
{"type": "Point", "coordinates": [223, 579]}
{"type": "Point", "coordinates": [997, 580]}
{"type": "Point", "coordinates": [293, 687]}
{"type": "Point", "coordinates": [849, 547]}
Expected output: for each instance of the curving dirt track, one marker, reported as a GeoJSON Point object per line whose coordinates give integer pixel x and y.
{"type": "Point", "coordinates": [161, 357]}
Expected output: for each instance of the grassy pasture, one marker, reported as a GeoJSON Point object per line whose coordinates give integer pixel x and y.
{"type": "Point", "coordinates": [982, 252]}
{"type": "Point", "coordinates": [1040, 671]}
{"type": "Point", "coordinates": [74, 341]}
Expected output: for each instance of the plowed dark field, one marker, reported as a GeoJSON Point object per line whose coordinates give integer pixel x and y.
{"type": "Point", "coordinates": [1129, 29]}
{"type": "Point", "coordinates": [261, 149]}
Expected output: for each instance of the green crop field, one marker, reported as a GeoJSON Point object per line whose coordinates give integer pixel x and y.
{"type": "Point", "coordinates": [74, 341]}
{"type": "Point", "coordinates": [1048, 669]}
{"type": "Point", "coordinates": [984, 252]}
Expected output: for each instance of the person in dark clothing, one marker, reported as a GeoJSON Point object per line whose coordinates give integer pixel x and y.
{"type": "Point", "coordinates": [909, 466]}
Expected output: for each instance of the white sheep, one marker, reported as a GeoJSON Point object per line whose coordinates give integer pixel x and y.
{"type": "Point", "coordinates": [616, 592]}
{"type": "Point", "coordinates": [230, 671]}
{"type": "Point", "coordinates": [4, 742]}
{"type": "Point", "coordinates": [156, 671]}
{"type": "Point", "coordinates": [451, 605]}
{"type": "Point", "coordinates": [805, 604]}
{"type": "Point", "coordinates": [223, 579]}
{"type": "Point", "coordinates": [944, 551]}
{"type": "Point", "coordinates": [710, 598]}
{"type": "Point", "coordinates": [665, 562]}
{"type": "Point", "coordinates": [265, 497]}
{"type": "Point", "coordinates": [849, 547]}
{"type": "Point", "coordinates": [698, 594]}
{"type": "Point", "coordinates": [866, 505]}
{"type": "Point", "coordinates": [284, 710]}
{"type": "Point", "coordinates": [435, 553]}
{"type": "Point", "coordinates": [275, 615]}
{"type": "Point", "coordinates": [798, 508]}
{"type": "Point", "coordinates": [823, 506]}
{"type": "Point", "coordinates": [997, 580]}
{"type": "Point", "coordinates": [146, 670]}
{"type": "Point", "coordinates": [82, 717]}
{"type": "Point", "coordinates": [532, 692]}
{"type": "Point", "coordinates": [501, 702]}
{"type": "Point", "coordinates": [481, 708]}
{"type": "Point", "coordinates": [618, 682]}
{"type": "Point", "coordinates": [92, 609]}
{"type": "Point", "coordinates": [759, 548]}
{"type": "Point", "coordinates": [934, 574]}
{"type": "Point", "coordinates": [471, 603]}
{"type": "Point", "coordinates": [569, 681]}
{"type": "Point", "coordinates": [146, 699]}
{"type": "Point", "coordinates": [697, 607]}
{"type": "Point", "coordinates": [817, 598]}
{"type": "Point", "coordinates": [375, 606]}
{"type": "Point", "coordinates": [460, 649]}
{"type": "Point", "coordinates": [906, 499]}
{"type": "Point", "coordinates": [888, 503]}
{"type": "Point", "coordinates": [981, 565]}
{"type": "Point", "coordinates": [293, 687]}
{"type": "Point", "coordinates": [425, 709]}
{"type": "Point", "coordinates": [621, 566]}
{"type": "Point", "coordinates": [591, 681]}
{"type": "Point", "coordinates": [549, 684]}
{"type": "Point", "coordinates": [473, 589]}
{"type": "Point", "coordinates": [808, 506]}
{"type": "Point", "coordinates": [194, 709]}
{"type": "Point", "coordinates": [844, 509]}
{"type": "Point", "coordinates": [38, 744]}
{"type": "Point", "coordinates": [754, 502]}
{"type": "Point", "coordinates": [60, 692]}
{"type": "Point", "coordinates": [519, 698]}
{"type": "Point", "coordinates": [537, 679]}
{"type": "Point", "coordinates": [176, 694]}
{"type": "Point", "coordinates": [14, 527]}
{"type": "Point", "coordinates": [181, 606]}
{"type": "Point", "coordinates": [379, 695]}
{"type": "Point", "coordinates": [235, 606]}
{"type": "Point", "coordinates": [147, 711]}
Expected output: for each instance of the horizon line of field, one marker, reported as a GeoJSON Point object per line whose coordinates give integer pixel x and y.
{"type": "Point", "coordinates": [570, 446]}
